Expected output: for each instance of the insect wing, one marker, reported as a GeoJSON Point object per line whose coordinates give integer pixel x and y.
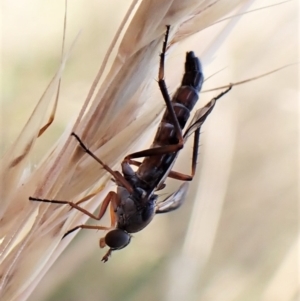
{"type": "Point", "coordinates": [198, 119]}
{"type": "Point", "coordinates": [174, 200]}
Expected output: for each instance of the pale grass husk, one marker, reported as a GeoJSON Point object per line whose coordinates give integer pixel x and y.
{"type": "Point", "coordinates": [67, 173]}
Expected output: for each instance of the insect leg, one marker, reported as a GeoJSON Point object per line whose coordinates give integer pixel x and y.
{"type": "Point", "coordinates": [113, 221]}
{"type": "Point", "coordinates": [195, 127]}
{"type": "Point", "coordinates": [94, 227]}
{"type": "Point", "coordinates": [110, 196]}
{"type": "Point", "coordinates": [167, 149]}
{"type": "Point", "coordinates": [173, 174]}
{"type": "Point", "coordinates": [107, 255]}
{"type": "Point", "coordinates": [201, 114]}
{"type": "Point", "coordinates": [164, 91]}
{"type": "Point", "coordinates": [89, 196]}
{"type": "Point", "coordinates": [118, 177]}
{"type": "Point", "coordinates": [113, 218]}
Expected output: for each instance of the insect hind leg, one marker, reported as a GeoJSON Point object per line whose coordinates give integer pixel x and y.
{"type": "Point", "coordinates": [165, 93]}
{"type": "Point", "coordinates": [195, 126]}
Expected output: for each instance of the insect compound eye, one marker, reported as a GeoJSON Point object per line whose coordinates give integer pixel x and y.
{"type": "Point", "coordinates": [117, 239]}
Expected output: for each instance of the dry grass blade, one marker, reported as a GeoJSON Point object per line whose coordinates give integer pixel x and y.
{"type": "Point", "coordinates": [14, 162]}
{"type": "Point", "coordinates": [112, 126]}
{"type": "Point", "coordinates": [250, 80]}
{"type": "Point", "coordinates": [17, 215]}
{"type": "Point", "coordinates": [206, 16]}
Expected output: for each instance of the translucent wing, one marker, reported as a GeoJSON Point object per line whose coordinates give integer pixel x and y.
{"type": "Point", "coordinates": [199, 118]}
{"type": "Point", "coordinates": [201, 115]}
{"type": "Point", "coordinates": [174, 200]}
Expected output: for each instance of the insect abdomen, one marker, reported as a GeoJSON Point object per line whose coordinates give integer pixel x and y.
{"type": "Point", "coordinates": [185, 97]}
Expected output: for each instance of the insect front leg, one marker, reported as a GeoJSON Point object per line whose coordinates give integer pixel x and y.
{"type": "Point", "coordinates": [113, 223]}
{"type": "Point", "coordinates": [93, 227]}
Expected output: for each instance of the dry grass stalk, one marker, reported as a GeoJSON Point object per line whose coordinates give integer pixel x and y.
{"type": "Point", "coordinates": [112, 126]}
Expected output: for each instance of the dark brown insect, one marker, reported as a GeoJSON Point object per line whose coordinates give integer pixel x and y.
{"type": "Point", "coordinates": [135, 203]}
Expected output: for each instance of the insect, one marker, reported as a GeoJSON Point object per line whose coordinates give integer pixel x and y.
{"type": "Point", "coordinates": [135, 203]}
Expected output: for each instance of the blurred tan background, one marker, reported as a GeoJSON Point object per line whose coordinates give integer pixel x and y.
{"type": "Point", "coordinates": [246, 225]}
